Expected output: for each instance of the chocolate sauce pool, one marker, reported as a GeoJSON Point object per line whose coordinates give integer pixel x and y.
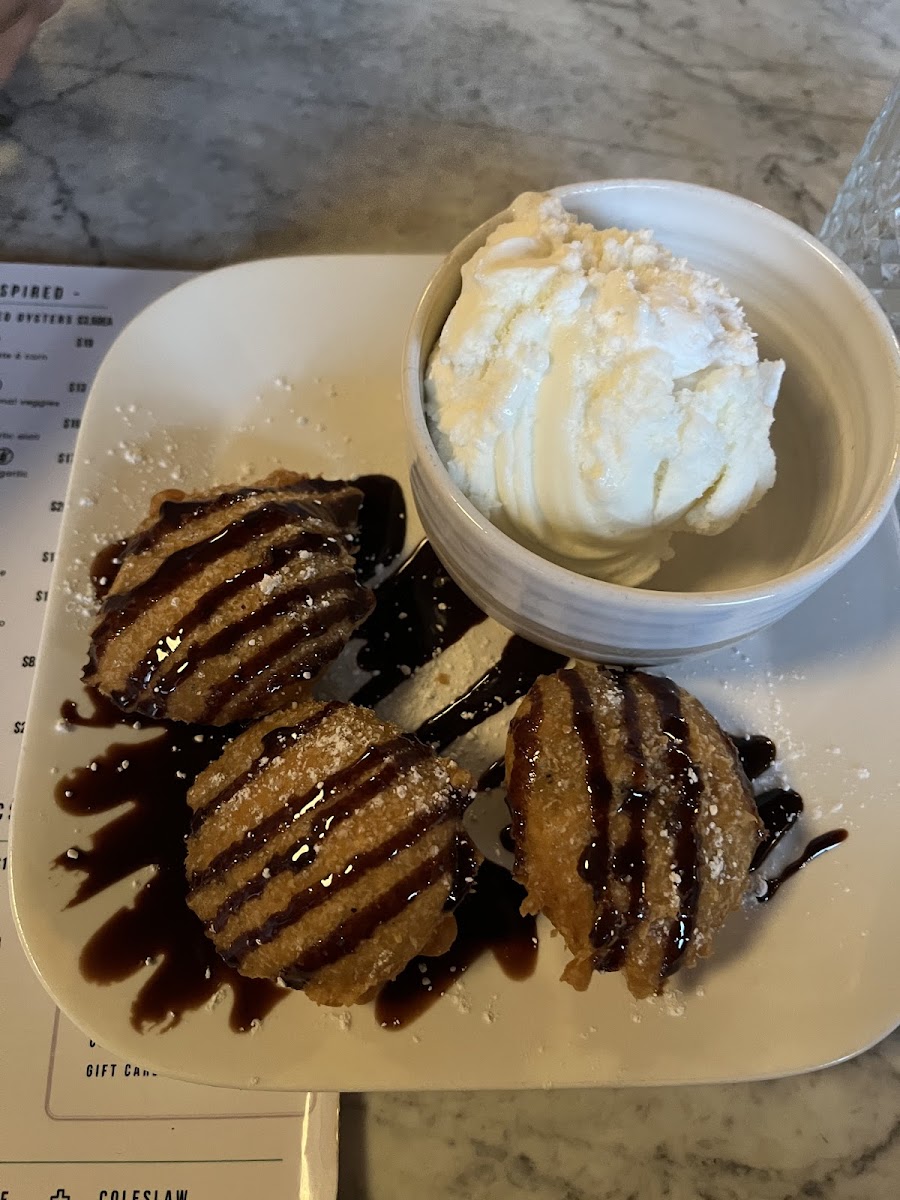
{"type": "Point", "coordinates": [420, 612]}
{"type": "Point", "coordinates": [148, 781]}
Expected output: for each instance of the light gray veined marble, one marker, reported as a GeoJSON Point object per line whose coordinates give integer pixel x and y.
{"type": "Point", "coordinates": [199, 133]}
{"type": "Point", "coordinates": [834, 1135]}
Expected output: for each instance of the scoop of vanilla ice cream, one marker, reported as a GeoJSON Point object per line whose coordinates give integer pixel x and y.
{"type": "Point", "coordinates": [592, 394]}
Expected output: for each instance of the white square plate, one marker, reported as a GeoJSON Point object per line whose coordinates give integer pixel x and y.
{"type": "Point", "coordinates": [295, 362]}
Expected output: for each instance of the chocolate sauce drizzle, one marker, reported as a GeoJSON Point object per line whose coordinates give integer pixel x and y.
{"type": "Point", "coordinates": [164, 683]}
{"type": "Point", "coordinates": [317, 893]}
{"type": "Point", "coordinates": [103, 715]}
{"type": "Point", "coordinates": [420, 613]}
{"type": "Point", "coordinates": [519, 665]}
{"type": "Point", "coordinates": [613, 930]}
{"type": "Point", "coordinates": [298, 651]}
{"type": "Point", "coordinates": [122, 609]}
{"type": "Point", "coordinates": [332, 802]}
{"type": "Point", "coordinates": [273, 743]}
{"type": "Point", "coordinates": [382, 524]}
{"type": "Point", "coordinates": [327, 498]}
{"type": "Point", "coordinates": [491, 777]}
{"type": "Point", "coordinates": [598, 863]}
{"type": "Point", "coordinates": [688, 779]}
{"type": "Point", "coordinates": [779, 810]}
{"type": "Point", "coordinates": [815, 847]}
{"type": "Point", "coordinates": [594, 864]}
{"type": "Point", "coordinates": [756, 753]}
{"type": "Point", "coordinates": [487, 919]}
{"type": "Point", "coordinates": [362, 924]}
{"type": "Point", "coordinates": [151, 778]}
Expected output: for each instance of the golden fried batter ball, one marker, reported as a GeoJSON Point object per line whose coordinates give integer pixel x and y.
{"type": "Point", "coordinates": [228, 602]}
{"type": "Point", "coordinates": [633, 822]}
{"type": "Point", "coordinates": [327, 850]}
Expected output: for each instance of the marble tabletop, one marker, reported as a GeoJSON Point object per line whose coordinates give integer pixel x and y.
{"type": "Point", "coordinates": [174, 134]}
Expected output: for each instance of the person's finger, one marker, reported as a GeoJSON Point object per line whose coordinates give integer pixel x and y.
{"type": "Point", "coordinates": [14, 41]}
{"type": "Point", "coordinates": [11, 13]}
{"type": "Point", "coordinates": [19, 22]}
{"type": "Point", "coordinates": [47, 8]}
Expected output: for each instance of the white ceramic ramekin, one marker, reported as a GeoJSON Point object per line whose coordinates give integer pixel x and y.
{"type": "Point", "coordinates": [836, 439]}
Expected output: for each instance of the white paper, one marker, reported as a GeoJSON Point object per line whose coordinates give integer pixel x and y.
{"type": "Point", "coordinates": [76, 1123]}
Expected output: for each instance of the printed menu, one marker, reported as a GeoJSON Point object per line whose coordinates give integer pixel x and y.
{"type": "Point", "coordinates": [75, 1122]}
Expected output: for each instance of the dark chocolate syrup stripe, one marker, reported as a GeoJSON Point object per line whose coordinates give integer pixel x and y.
{"type": "Point", "coordinates": [779, 810]}
{"type": "Point", "coordinates": [687, 779]}
{"type": "Point", "coordinates": [280, 662]}
{"type": "Point", "coordinates": [756, 753]}
{"type": "Point", "coordinates": [419, 612]}
{"type": "Point", "coordinates": [325, 500]}
{"type": "Point", "coordinates": [382, 524]}
{"type": "Point", "coordinates": [491, 777]}
{"type": "Point", "coordinates": [337, 797]}
{"type": "Point", "coordinates": [629, 863]}
{"type": "Point", "coordinates": [289, 860]}
{"type": "Point", "coordinates": [594, 860]}
{"type": "Point", "coordinates": [361, 925]}
{"type": "Point", "coordinates": [612, 927]}
{"type": "Point", "coordinates": [819, 845]}
{"type": "Point", "coordinates": [520, 664]}
{"type": "Point", "coordinates": [275, 742]}
{"type": "Point", "coordinates": [120, 610]}
{"type": "Point", "coordinates": [150, 779]}
{"type": "Point", "coordinates": [489, 918]}
{"type": "Point", "coordinates": [302, 852]}
{"type": "Point", "coordinates": [226, 639]}
{"type": "Point", "coordinates": [283, 672]}
{"type": "Point", "coordinates": [320, 892]}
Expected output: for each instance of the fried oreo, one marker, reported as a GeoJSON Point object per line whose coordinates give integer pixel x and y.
{"type": "Point", "coordinates": [228, 602]}
{"type": "Point", "coordinates": [327, 850]}
{"type": "Point", "coordinates": [633, 822]}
